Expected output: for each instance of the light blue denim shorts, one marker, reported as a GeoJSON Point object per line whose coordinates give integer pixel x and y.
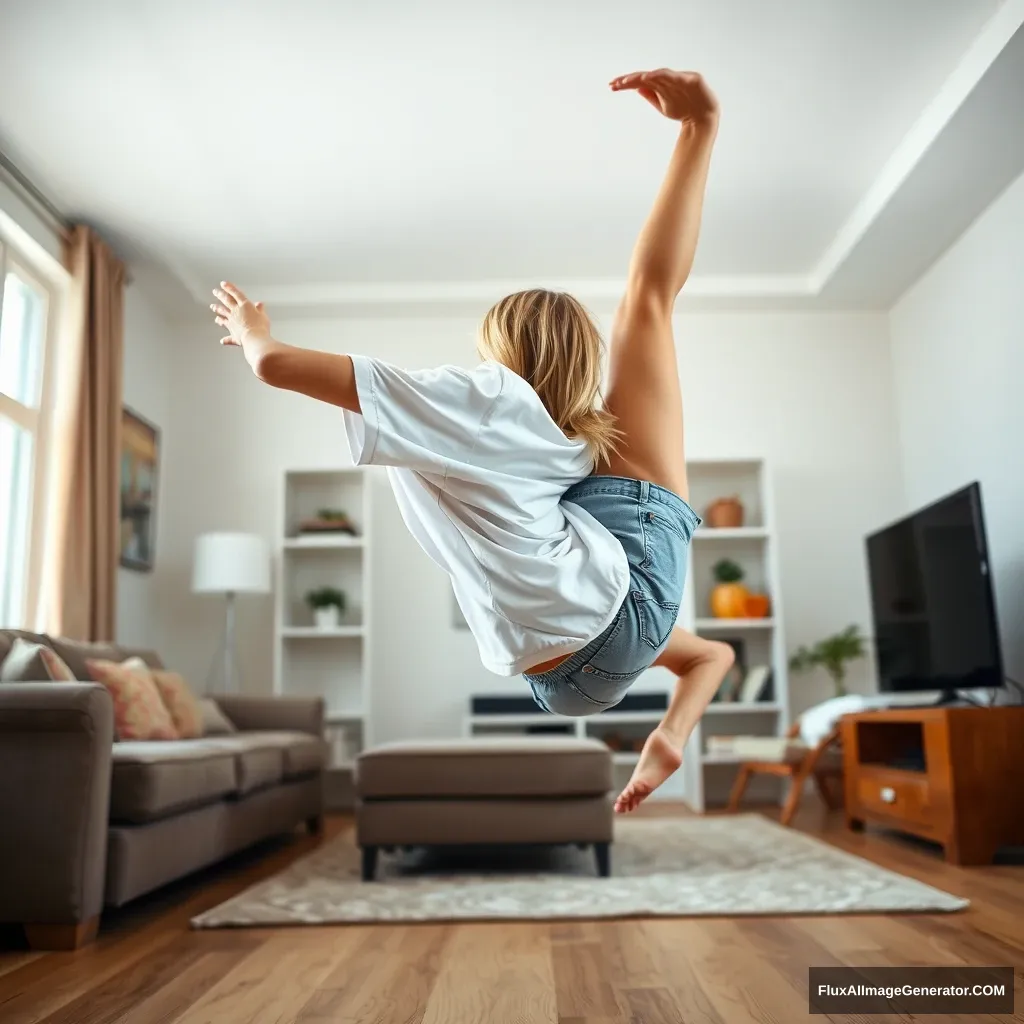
{"type": "Point", "coordinates": [654, 527]}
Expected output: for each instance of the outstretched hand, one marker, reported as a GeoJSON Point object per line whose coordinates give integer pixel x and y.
{"type": "Point", "coordinates": [679, 95]}
{"type": "Point", "coordinates": [238, 314]}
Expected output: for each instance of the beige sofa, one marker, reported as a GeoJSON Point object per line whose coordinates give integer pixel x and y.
{"type": "Point", "coordinates": [87, 822]}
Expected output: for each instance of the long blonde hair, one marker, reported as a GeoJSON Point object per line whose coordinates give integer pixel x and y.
{"type": "Point", "coordinates": [552, 342]}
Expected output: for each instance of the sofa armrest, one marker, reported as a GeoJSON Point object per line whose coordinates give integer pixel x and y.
{"type": "Point", "coordinates": [55, 750]}
{"type": "Point", "coordinates": [262, 714]}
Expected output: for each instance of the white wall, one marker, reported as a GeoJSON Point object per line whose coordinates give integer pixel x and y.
{"type": "Point", "coordinates": [958, 367]}
{"type": "Point", "coordinates": [810, 392]}
{"type": "Point", "coordinates": [148, 352]}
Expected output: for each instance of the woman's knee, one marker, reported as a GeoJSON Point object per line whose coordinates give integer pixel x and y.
{"type": "Point", "coordinates": [685, 652]}
{"type": "Point", "coordinates": [721, 654]}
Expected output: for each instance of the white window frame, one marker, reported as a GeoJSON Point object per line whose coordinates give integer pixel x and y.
{"type": "Point", "coordinates": [37, 422]}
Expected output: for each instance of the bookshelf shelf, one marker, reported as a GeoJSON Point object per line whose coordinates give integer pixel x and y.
{"type": "Point", "coordinates": [329, 663]}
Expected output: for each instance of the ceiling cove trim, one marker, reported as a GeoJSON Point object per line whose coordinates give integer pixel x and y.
{"type": "Point", "coordinates": [981, 55]}
{"type": "Point", "coordinates": [599, 290]}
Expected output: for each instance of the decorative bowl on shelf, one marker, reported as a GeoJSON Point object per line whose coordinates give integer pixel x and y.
{"type": "Point", "coordinates": [328, 521]}
{"type": "Point", "coordinates": [724, 514]}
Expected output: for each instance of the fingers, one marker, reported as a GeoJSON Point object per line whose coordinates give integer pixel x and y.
{"type": "Point", "coordinates": [220, 310]}
{"type": "Point", "coordinates": [236, 293]}
{"type": "Point", "coordinates": [230, 342]}
{"type": "Point", "coordinates": [658, 76]}
{"type": "Point", "coordinates": [631, 81]}
{"type": "Point", "coordinates": [259, 306]}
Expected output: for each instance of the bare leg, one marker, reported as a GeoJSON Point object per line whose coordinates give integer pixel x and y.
{"type": "Point", "coordinates": [643, 391]}
{"type": "Point", "coordinates": [701, 666]}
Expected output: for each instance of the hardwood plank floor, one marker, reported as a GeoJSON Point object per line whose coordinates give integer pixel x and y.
{"type": "Point", "coordinates": [148, 967]}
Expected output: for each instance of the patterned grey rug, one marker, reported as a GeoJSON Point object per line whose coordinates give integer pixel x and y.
{"type": "Point", "coordinates": [678, 867]}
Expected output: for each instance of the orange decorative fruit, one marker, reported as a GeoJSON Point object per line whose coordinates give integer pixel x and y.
{"type": "Point", "coordinates": [757, 606]}
{"type": "Point", "coordinates": [729, 601]}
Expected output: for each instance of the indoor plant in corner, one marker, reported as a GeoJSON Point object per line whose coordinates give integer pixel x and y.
{"type": "Point", "coordinates": [832, 654]}
{"type": "Point", "coordinates": [327, 603]}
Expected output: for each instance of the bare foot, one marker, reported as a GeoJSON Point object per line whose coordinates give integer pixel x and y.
{"type": "Point", "coordinates": [662, 755]}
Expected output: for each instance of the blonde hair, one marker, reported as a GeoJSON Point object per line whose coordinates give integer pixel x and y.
{"type": "Point", "coordinates": [552, 342]}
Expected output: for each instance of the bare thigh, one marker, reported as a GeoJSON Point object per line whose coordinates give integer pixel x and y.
{"type": "Point", "coordinates": [645, 397]}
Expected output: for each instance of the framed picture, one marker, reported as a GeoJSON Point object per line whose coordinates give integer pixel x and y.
{"type": "Point", "coordinates": [140, 464]}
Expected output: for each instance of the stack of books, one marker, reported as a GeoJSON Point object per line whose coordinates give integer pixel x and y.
{"type": "Point", "coordinates": [757, 748]}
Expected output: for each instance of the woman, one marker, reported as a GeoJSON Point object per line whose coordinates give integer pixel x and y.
{"type": "Point", "coordinates": [562, 522]}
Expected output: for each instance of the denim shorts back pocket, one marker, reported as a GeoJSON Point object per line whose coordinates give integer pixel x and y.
{"type": "Point", "coordinates": [657, 582]}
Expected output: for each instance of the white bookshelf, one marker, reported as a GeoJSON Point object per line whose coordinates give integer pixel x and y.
{"type": "Point", "coordinates": [705, 779]}
{"type": "Point", "coordinates": [330, 663]}
{"type": "Point", "coordinates": [708, 778]}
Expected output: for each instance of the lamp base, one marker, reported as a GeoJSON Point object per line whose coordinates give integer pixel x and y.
{"type": "Point", "coordinates": [224, 676]}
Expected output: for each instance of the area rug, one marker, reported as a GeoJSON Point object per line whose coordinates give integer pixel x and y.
{"type": "Point", "coordinates": [680, 867]}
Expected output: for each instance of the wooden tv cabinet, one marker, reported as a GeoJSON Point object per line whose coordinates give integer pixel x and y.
{"type": "Point", "coordinates": [954, 775]}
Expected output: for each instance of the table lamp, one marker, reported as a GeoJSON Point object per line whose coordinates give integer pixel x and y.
{"type": "Point", "coordinates": [230, 564]}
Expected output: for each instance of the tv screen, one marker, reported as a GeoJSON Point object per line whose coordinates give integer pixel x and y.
{"type": "Point", "coordinates": [931, 597]}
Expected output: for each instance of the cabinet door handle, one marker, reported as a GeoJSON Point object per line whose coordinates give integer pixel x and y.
{"type": "Point", "coordinates": [888, 795]}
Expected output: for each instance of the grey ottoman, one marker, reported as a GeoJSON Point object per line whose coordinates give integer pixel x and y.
{"type": "Point", "coordinates": [484, 791]}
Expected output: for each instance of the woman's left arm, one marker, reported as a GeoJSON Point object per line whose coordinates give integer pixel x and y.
{"type": "Point", "coordinates": [321, 375]}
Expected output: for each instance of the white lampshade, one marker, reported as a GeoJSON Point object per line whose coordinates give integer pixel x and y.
{"type": "Point", "coordinates": [231, 563]}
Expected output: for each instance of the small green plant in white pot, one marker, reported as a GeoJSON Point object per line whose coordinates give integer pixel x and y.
{"type": "Point", "coordinates": [327, 603]}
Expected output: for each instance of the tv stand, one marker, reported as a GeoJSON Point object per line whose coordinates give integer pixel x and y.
{"type": "Point", "coordinates": [948, 774]}
{"type": "Point", "coordinates": [953, 699]}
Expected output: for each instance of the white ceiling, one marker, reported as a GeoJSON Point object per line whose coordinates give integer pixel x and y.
{"type": "Point", "coordinates": [322, 149]}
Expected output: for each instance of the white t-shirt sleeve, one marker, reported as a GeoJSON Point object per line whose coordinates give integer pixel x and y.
{"type": "Point", "coordinates": [418, 419]}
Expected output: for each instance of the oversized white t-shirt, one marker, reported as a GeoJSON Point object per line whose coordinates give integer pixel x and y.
{"type": "Point", "coordinates": [479, 469]}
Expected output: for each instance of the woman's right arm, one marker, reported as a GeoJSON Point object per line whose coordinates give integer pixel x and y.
{"type": "Point", "coordinates": [664, 252]}
{"type": "Point", "coordinates": [321, 375]}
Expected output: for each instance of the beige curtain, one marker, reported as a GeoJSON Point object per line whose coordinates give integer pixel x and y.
{"type": "Point", "coordinates": [80, 559]}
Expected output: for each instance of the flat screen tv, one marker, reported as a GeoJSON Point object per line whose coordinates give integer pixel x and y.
{"type": "Point", "coordinates": [934, 611]}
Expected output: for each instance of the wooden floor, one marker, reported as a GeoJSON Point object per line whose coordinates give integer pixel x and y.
{"type": "Point", "coordinates": [148, 968]}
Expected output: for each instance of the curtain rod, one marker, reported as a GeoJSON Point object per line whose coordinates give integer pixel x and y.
{"type": "Point", "coordinates": [49, 212]}
{"type": "Point", "coordinates": [37, 200]}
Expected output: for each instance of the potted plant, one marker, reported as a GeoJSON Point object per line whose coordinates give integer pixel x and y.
{"type": "Point", "coordinates": [729, 595]}
{"type": "Point", "coordinates": [327, 603]}
{"type": "Point", "coordinates": [731, 599]}
{"type": "Point", "coordinates": [832, 654]}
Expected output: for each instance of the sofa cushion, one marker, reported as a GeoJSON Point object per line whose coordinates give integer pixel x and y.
{"type": "Point", "coordinates": [8, 636]}
{"type": "Point", "coordinates": [180, 702]}
{"type": "Point", "coordinates": [29, 662]}
{"type": "Point", "coordinates": [76, 652]}
{"type": "Point", "coordinates": [303, 754]}
{"type": "Point", "coordinates": [139, 713]}
{"type": "Point", "coordinates": [485, 767]}
{"type": "Point", "coordinates": [215, 722]}
{"type": "Point", "coordinates": [151, 780]}
{"type": "Point", "coordinates": [258, 762]}
{"type": "Point", "coordinates": [267, 757]}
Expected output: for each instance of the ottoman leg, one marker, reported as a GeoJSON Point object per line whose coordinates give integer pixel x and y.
{"type": "Point", "coordinates": [369, 863]}
{"type": "Point", "coordinates": [603, 854]}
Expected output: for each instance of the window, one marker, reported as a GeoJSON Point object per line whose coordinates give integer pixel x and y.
{"type": "Point", "coordinates": [23, 335]}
